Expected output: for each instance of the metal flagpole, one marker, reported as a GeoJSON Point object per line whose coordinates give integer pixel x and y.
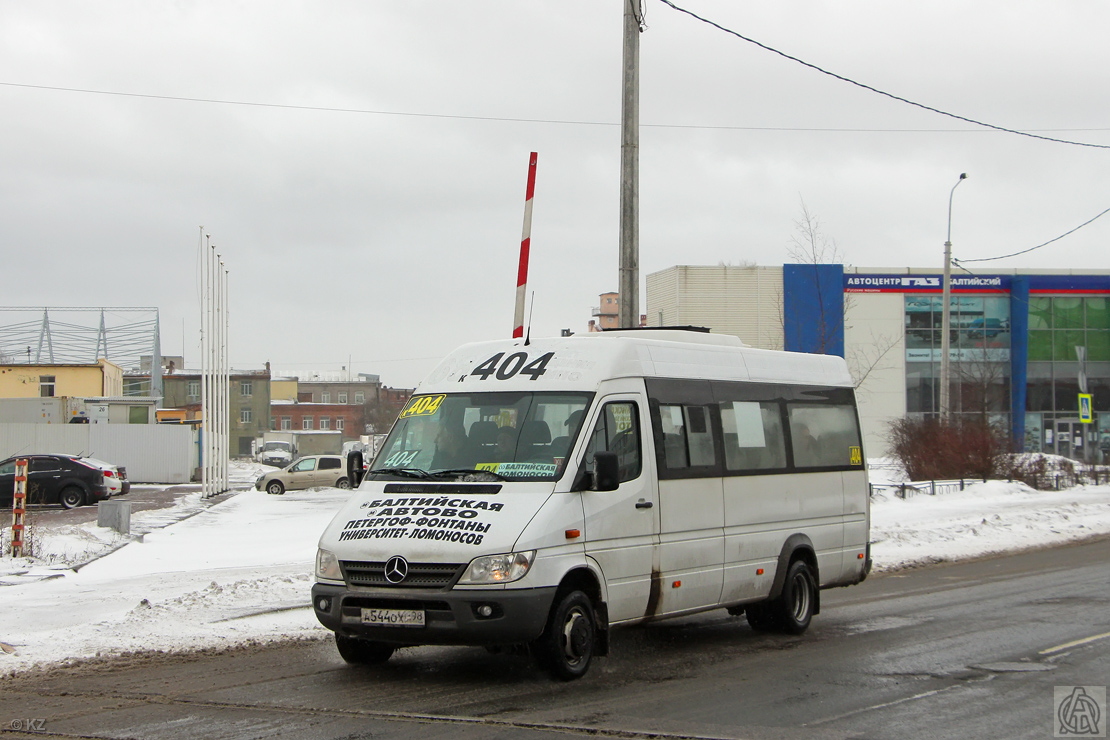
{"type": "Point", "coordinates": [226, 456]}
{"type": "Point", "coordinates": [206, 418]}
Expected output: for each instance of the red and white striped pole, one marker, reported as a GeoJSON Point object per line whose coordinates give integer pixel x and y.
{"type": "Point", "coordinates": [525, 244]}
{"type": "Point", "coordinates": [19, 509]}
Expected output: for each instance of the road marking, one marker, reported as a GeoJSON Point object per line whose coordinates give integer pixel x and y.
{"type": "Point", "coordinates": [884, 705]}
{"type": "Point", "coordinates": [1074, 643]}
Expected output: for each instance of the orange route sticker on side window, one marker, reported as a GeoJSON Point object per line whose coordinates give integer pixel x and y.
{"type": "Point", "coordinates": [422, 406]}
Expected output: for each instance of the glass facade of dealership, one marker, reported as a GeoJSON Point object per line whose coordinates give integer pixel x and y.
{"type": "Point", "coordinates": [1023, 347]}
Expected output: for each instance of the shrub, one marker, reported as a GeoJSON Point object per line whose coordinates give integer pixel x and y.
{"type": "Point", "coordinates": [935, 449]}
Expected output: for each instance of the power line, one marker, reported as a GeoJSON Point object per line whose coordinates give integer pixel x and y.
{"type": "Point", "coordinates": [1026, 251]}
{"type": "Point", "coordinates": [876, 90]}
{"type": "Point", "coordinates": [504, 119]}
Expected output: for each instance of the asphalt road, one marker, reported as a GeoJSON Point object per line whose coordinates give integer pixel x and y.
{"type": "Point", "coordinates": [972, 650]}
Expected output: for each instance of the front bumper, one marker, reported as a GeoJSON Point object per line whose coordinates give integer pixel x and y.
{"type": "Point", "coordinates": [451, 617]}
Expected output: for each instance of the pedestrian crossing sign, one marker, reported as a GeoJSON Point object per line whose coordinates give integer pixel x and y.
{"type": "Point", "coordinates": [1085, 414]}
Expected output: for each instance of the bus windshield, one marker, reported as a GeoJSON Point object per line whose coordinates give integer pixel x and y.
{"type": "Point", "coordinates": [511, 436]}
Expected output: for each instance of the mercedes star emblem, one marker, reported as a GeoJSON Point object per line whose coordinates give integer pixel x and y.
{"type": "Point", "coordinates": [396, 569]}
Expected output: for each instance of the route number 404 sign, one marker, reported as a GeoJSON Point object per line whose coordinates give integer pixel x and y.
{"type": "Point", "coordinates": [518, 363]}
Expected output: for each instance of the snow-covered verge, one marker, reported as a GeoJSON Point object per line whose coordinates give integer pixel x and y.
{"type": "Point", "coordinates": [239, 571]}
{"type": "Point", "coordinates": [236, 572]}
{"type": "Point", "coordinates": [985, 519]}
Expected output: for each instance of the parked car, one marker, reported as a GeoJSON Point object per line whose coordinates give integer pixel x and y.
{"type": "Point", "coordinates": [68, 480]}
{"type": "Point", "coordinates": [306, 472]}
{"type": "Point", "coordinates": [115, 476]}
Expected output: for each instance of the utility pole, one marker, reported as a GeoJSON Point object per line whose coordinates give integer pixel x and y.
{"type": "Point", "coordinates": [629, 277]}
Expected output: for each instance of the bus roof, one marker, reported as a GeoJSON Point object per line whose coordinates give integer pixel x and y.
{"type": "Point", "coordinates": [581, 362]}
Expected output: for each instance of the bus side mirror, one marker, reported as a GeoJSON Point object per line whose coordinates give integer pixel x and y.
{"type": "Point", "coordinates": [606, 471]}
{"type": "Point", "coordinates": [354, 468]}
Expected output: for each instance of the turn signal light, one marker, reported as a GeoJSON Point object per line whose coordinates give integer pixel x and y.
{"type": "Point", "coordinates": [676, 584]}
{"type": "Point", "coordinates": [759, 571]}
{"type": "Point", "coordinates": [573, 533]}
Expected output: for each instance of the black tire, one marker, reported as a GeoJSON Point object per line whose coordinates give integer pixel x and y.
{"type": "Point", "coordinates": [343, 483]}
{"type": "Point", "coordinates": [71, 497]}
{"type": "Point", "coordinates": [567, 644]}
{"type": "Point", "coordinates": [761, 616]}
{"type": "Point", "coordinates": [362, 652]}
{"type": "Point", "coordinates": [793, 610]}
{"type": "Point", "coordinates": [275, 488]}
{"type": "Point", "coordinates": [796, 604]}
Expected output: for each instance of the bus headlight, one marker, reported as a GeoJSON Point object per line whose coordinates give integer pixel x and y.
{"type": "Point", "coordinates": [327, 566]}
{"type": "Point", "coordinates": [498, 568]}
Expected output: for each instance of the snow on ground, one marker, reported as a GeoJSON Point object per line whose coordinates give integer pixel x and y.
{"type": "Point", "coordinates": [984, 519]}
{"type": "Point", "coordinates": [239, 570]}
{"type": "Point", "coordinates": [232, 572]}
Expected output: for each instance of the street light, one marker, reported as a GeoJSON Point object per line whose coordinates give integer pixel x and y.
{"type": "Point", "coordinates": [946, 312]}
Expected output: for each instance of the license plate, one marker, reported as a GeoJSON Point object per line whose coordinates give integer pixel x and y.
{"type": "Point", "coordinates": [393, 617]}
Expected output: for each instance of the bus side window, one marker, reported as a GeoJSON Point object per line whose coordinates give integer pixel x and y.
{"type": "Point", "coordinates": [674, 437]}
{"type": "Point", "coordinates": [687, 436]}
{"type": "Point", "coordinates": [752, 435]}
{"type": "Point", "coordinates": [699, 435]}
{"type": "Point", "coordinates": [822, 435]}
{"type": "Point", "coordinates": [618, 430]}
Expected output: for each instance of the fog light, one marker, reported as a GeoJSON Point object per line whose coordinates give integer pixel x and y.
{"type": "Point", "coordinates": [485, 610]}
{"type": "Point", "coordinates": [323, 604]}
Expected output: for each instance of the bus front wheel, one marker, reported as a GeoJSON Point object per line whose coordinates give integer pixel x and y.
{"type": "Point", "coordinates": [567, 644]}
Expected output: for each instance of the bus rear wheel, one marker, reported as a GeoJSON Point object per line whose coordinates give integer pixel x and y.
{"type": "Point", "coordinates": [793, 609]}
{"type": "Point", "coordinates": [798, 600]}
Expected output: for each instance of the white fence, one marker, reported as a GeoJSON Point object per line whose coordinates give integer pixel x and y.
{"type": "Point", "coordinates": [152, 453]}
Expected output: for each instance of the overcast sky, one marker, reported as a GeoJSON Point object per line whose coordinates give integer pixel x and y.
{"type": "Point", "coordinates": [389, 238]}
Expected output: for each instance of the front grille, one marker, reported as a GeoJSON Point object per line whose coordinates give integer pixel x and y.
{"type": "Point", "coordinates": [421, 575]}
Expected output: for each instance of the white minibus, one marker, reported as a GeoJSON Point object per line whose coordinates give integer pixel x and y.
{"type": "Point", "coordinates": [540, 492]}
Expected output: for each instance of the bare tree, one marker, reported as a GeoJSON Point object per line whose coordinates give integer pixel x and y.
{"type": "Point", "coordinates": [865, 359]}
{"type": "Point", "coordinates": [981, 376]}
{"type": "Point", "coordinates": [811, 246]}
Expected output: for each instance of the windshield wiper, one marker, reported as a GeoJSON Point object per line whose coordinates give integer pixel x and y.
{"type": "Point", "coordinates": [467, 471]}
{"type": "Point", "coordinates": [402, 472]}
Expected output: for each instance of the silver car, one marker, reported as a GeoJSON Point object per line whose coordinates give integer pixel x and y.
{"type": "Point", "coordinates": [313, 471]}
